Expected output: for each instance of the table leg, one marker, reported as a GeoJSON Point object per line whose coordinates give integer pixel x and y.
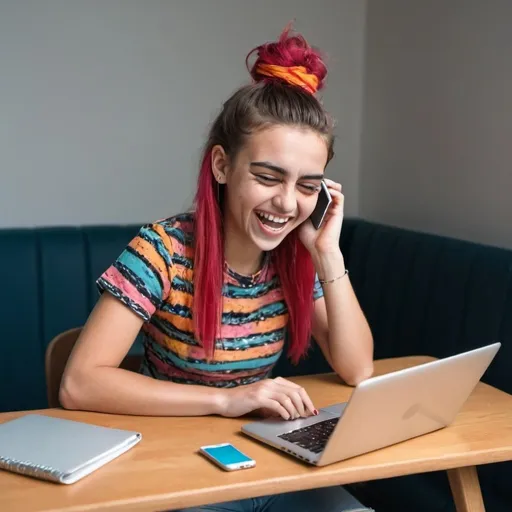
{"type": "Point", "coordinates": [466, 489]}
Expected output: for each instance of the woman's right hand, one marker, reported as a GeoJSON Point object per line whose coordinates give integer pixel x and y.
{"type": "Point", "coordinates": [279, 396]}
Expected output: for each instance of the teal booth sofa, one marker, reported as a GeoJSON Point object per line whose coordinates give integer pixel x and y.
{"type": "Point", "coordinates": [422, 294]}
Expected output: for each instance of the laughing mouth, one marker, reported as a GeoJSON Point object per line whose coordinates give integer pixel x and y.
{"type": "Point", "coordinates": [273, 222]}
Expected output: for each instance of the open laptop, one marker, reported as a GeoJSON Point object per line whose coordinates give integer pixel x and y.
{"type": "Point", "coordinates": [381, 411]}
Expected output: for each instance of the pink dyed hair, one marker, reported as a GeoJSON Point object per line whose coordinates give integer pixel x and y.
{"type": "Point", "coordinates": [267, 102]}
{"type": "Point", "coordinates": [288, 51]}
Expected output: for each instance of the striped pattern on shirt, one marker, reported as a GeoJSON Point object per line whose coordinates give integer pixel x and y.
{"type": "Point", "coordinates": [153, 276]}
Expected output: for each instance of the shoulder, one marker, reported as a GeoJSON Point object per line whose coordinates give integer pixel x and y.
{"type": "Point", "coordinates": [174, 237]}
{"type": "Point", "coordinates": [176, 231]}
{"type": "Point", "coordinates": [141, 275]}
{"type": "Point", "coordinates": [179, 228]}
{"type": "Point", "coordinates": [164, 237]}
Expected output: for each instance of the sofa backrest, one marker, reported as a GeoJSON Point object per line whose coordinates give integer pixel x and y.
{"type": "Point", "coordinates": [432, 295]}
{"type": "Point", "coordinates": [48, 286]}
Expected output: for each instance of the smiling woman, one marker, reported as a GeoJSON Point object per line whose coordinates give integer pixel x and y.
{"type": "Point", "coordinates": [271, 178]}
{"type": "Point", "coordinates": [216, 291]}
{"type": "Point", "coordinates": [277, 217]}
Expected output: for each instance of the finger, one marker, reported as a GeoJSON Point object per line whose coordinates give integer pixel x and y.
{"type": "Point", "coordinates": [338, 200]}
{"type": "Point", "coordinates": [333, 184]}
{"type": "Point", "coordinates": [336, 194]}
{"type": "Point", "coordinates": [287, 403]}
{"type": "Point", "coordinates": [275, 406]}
{"type": "Point", "coordinates": [306, 400]}
{"type": "Point", "coordinates": [295, 397]}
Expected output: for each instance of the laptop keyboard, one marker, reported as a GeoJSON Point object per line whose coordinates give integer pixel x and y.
{"type": "Point", "coordinates": [313, 437]}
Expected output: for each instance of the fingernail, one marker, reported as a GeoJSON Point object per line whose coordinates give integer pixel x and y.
{"type": "Point", "coordinates": [315, 412]}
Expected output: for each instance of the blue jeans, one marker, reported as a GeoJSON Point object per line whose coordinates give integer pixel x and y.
{"type": "Point", "coordinates": [325, 499]}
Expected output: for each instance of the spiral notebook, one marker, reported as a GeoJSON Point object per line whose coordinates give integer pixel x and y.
{"type": "Point", "coordinates": [60, 450]}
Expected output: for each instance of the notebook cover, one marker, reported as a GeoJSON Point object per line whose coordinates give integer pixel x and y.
{"type": "Point", "coordinates": [58, 449]}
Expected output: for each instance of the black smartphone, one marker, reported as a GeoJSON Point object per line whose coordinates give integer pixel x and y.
{"type": "Point", "coordinates": [322, 205]}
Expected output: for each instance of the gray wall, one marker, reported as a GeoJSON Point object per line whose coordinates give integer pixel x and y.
{"type": "Point", "coordinates": [104, 105]}
{"type": "Point", "coordinates": [437, 122]}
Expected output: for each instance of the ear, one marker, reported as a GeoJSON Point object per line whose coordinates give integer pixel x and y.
{"type": "Point", "coordinates": [220, 164]}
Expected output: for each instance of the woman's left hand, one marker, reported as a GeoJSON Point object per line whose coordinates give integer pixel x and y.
{"type": "Point", "coordinates": [325, 240]}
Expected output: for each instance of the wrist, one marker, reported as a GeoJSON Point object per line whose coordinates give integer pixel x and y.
{"type": "Point", "coordinates": [219, 401]}
{"type": "Point", "coordinates": [329, 266]}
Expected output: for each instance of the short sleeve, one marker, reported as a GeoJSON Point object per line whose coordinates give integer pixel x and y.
{"type": "Point", "coordinates": [140, 277]}
{"type": "Point", "coordinates": [318, 291]}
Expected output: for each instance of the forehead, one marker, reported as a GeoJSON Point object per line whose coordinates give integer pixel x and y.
{"type": "Point", "coordinates": [292, 148]}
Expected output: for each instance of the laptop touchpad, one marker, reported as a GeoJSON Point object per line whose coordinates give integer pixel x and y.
{"type": "Point", "coordinates": [336, 409]}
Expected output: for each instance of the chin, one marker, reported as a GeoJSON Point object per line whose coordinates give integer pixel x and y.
{"type": "Point", "coordinates": [266, 245]}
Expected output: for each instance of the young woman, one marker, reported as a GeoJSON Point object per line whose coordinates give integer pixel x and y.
{"type": "Point", "coordinates": [215, 290]}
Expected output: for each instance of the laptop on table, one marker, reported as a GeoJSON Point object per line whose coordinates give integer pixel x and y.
{"type": "Point", "coordinates": [381, 411]}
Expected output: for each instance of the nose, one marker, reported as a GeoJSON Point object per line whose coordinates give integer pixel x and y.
{"type": "Point", "coordinates": [286, 200]}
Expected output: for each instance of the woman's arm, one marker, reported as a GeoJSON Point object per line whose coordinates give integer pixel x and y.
{"type": "Point", "coordinates": [93, 380]}
{"type": "Point", "coordinates": [339, 325]}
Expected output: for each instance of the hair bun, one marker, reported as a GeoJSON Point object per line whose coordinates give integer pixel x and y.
{"type": "Point", "coordinates": [290, 59]}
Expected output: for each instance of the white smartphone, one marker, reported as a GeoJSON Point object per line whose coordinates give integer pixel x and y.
{"type": "Point", "coordinates": [322, 205]}
{"type": "Point", "coordinates": [227, 456]}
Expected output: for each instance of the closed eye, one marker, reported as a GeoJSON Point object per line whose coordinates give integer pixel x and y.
{"type": "Point", "coordinates": [270, 180]}
{"type": "Point", "coordinates": [267, 179]}
{"type": "Point", "coordinates": [310, 188]}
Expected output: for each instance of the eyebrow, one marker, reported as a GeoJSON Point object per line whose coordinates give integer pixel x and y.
{"type": "Point", "coordinates": [284, 172]}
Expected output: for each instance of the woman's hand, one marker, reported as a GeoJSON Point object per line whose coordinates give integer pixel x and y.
{"type": "Point", "coordinates": [273, 397]}
{"type": "Point", "coordinates": [325, 240]}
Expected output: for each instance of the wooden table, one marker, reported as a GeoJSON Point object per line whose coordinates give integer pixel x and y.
{"type": "Point", "coordinates": [164, 471]}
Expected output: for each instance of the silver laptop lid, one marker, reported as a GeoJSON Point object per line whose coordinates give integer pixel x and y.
{"type": "Point", "coordinates": [390, 408]}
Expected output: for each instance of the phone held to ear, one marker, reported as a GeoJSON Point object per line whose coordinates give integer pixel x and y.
{"type": "Point", "coordinates": [226, 456]}
{"type": "Point", "coordinates": [322, 205]}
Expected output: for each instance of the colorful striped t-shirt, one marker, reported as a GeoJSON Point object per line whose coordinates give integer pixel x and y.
{"type": "Point", "coordinates": [153, 276]}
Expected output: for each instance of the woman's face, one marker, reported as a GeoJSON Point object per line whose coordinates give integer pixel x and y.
{"type": "Point", "coordinates": [272, 186]}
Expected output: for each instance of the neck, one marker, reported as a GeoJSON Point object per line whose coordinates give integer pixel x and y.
{"type": "Point", "coordinates": [244, 258]}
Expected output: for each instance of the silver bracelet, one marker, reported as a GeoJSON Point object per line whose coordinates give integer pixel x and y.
{"type": "Point", "coordinates": [323, 281]}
